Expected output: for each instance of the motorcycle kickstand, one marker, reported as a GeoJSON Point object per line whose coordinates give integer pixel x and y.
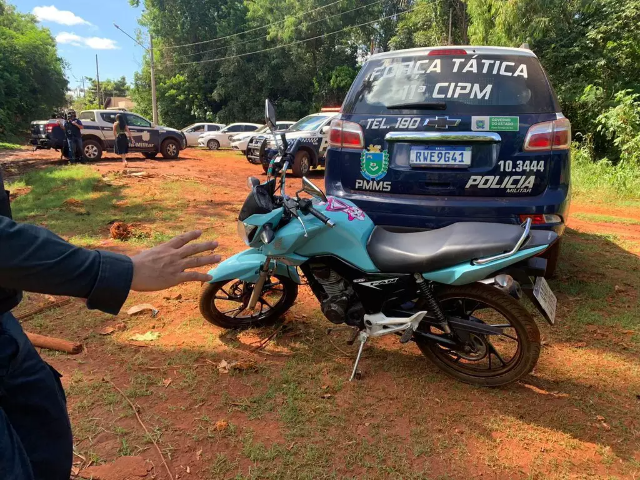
{"type": "Point", "coordinates": [363, 339]}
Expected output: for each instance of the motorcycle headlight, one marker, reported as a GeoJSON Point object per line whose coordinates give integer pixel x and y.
{"type": "Point", "coordinates": [246, 232]}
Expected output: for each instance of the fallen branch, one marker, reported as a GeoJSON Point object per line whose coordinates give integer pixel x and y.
{"type": "Point", "coordinates": [44, 308]}
{"type": "Point", "coordinates": [135, 410]}
{"type": "Point", "coordinates": [52, 343]}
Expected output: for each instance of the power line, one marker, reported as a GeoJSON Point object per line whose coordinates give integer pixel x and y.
{"type": "Point", "coordinates": [296, 42]}
{"type": "Point", "coordinates": [265, 36]}
{"type": "Point", "coordinates": [168, 47]}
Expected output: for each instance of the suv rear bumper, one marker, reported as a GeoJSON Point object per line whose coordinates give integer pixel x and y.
{"type": "Point", "coordinates": [412, 212]}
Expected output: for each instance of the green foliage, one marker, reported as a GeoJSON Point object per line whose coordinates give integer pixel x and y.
{"type": "Point", "coordinates": [299, 79]}
{"type": "Point", "coordinates": [621, 124]}
{"type": "Point", "coordinates": [9, 146]}
{"type": "Point", "coordinates": [27, 56]}
{"type": "Point", "coordinates": [601, 180]}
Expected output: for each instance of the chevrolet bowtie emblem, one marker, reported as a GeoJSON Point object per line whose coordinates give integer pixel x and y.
{"type": "Point", "coordinates": [442, 122]}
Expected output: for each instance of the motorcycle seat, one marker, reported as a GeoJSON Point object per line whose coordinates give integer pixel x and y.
{"type": "Point", "coordinates": [419, 252]}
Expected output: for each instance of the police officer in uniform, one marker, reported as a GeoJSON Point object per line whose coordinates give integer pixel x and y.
{"type": "Point", "coordinates": [73, 130]}
{"type": "Point", "coordinates": [35, 434]}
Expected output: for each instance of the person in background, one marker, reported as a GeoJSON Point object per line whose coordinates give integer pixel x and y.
{"type": "Point", "coordinates": [35, 434]}
{"type": "Point", "coordinates": [73, 130]}
{"type": "Point", "coordinates": [123, 136]}
{"type": "Point", "coordinates": [57, 135]}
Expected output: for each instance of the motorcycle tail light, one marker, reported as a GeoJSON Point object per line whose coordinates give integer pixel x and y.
{"type": "Point", "coordinates": [343, 134]}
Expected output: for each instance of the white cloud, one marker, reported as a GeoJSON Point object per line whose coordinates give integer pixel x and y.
{"type": "Point", "coordinates": [63, 17]}
{"type": "Point", "coordinates": [96, 43]}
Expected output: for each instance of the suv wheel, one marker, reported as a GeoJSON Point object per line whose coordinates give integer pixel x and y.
{"type": "Point", "coordinates": [213, 144]}
{"type": "Point", "coordinates": [91, 150]}
{"type": "Point", "coordinates": [553, 256]}
{"type": "Point", "coordinates": [301, 164]}
{"type": "Point", "coordinates": [170, 149]}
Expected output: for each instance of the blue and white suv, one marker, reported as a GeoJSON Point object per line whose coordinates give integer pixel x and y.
{"type": "Point", "coordinates": [432, 136]}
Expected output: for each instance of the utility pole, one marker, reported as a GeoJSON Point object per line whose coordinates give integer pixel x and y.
{"type": "Point", "coordinates": [98, 83]}
{"type": "Point", "coordinates": [450, 18]}
{"type": "Point", "coordinates": [154, 103]}
{"type": "Point", "coordinates": [84, 92]}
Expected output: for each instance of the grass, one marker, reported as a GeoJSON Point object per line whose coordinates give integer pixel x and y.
{"type": "Point", "coordinates": [594, 217]}
{"type": "Point", "coordinates": [79, 204]}
{"type": "Point", "coordinates": [601, 181]}
{"type": "Point", "coordinates": [9, 146]}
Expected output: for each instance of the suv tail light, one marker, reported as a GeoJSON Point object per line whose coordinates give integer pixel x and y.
{"type": "Point", "coordinates": [554, 135]}
{"type": "Point", "coordinates": [346, 134]}
{"type": "Point", "coordinates": [539, 218]}
{"type": "Point", "coordinates": [447, 51]}
{"type": "Point", "coordinates": [49, 127]}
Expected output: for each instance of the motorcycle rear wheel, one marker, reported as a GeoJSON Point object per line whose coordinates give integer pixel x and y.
{"type": "Point", "coordinates": [225, 303]}
{"type": "Point", "coordinates": [494, 360]}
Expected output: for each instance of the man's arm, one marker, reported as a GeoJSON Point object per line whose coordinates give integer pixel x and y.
{"type": "Point", "coordinates": [36, 260]}
{"type": "Point", "coordinates": [78, 124]}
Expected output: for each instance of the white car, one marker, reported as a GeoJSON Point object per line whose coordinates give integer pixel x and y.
{"type": "Point", "coordinates": [222, 139]}
{"type": "Point", "coordinates": [193, 132]}
{"type": "Point", "coordinates": [240, 141]}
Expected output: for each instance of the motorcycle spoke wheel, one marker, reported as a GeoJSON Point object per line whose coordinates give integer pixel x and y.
{"type": "Point", "coordinates": [488, 354]}
{"type": "Point", "coordinates": [226, 304]}
{"type": "Point", "coordinates": [485, 360]}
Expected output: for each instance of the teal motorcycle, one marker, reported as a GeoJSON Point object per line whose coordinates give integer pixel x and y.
{"type": "Point", "coordinates": [456, 291]}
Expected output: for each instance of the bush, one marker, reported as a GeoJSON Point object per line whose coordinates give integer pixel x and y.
{"type": "Point", "coordinates": [601, 179]}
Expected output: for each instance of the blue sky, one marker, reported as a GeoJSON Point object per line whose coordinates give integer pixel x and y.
{"type": "Point", "coordinates": [84, 29]}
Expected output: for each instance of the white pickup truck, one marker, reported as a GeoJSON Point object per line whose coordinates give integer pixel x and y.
{"type": "Point", "coordinates": [148, 139]}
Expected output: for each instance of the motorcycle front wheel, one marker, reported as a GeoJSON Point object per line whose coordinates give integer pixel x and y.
{"type": "Point", "coordinates": [487, 360]}
{"type": "Point", "coordinates": [226, 303]}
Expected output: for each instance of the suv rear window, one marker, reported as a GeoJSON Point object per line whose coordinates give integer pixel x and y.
{"type": "Point", "coordinates": [463, 84]}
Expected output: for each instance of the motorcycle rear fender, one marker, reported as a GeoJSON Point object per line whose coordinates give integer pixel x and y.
{"type": "Point", "coordinates": [468, 272]}
{"type": "Point", "coordinates": [246, 266]}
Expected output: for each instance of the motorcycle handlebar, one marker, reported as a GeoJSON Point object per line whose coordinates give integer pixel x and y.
{"type": "Point", "coordinates": [307, 207]}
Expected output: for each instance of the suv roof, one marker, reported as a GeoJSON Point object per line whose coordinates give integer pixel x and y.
{"type": "Point", "coordinates": [469, 49]}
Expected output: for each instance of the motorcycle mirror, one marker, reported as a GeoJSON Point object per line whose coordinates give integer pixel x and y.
{"type": "Point", "coordinates": [270, 114]}
{"type": "Point", "coordinates": [252, 182]}
{"type": "Point", "coordinates": [309, 187]}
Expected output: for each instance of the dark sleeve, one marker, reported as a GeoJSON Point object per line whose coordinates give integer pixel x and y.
{"type": "Point", "coordinates": [36, 260]}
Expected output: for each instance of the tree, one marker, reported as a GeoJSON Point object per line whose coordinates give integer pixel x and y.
{"type": "Point", "coordinates": [27, 56]}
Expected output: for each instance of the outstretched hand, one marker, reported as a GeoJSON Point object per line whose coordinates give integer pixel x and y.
{"type": "Point", "coordinates": [164, 266]}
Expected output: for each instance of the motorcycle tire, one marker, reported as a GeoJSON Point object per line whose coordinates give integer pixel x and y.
{"type": "Point", "coordinates": [521, 321]}
{"type": "Point", "coordinates": [211, 312]}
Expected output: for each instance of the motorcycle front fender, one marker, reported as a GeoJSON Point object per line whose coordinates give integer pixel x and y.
{"type": "Point", "coordinates": [246, 266]}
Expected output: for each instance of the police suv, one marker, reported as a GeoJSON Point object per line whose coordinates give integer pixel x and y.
{"type": "Point", "coordinates": [432, 136]}
{"type": "Point", "coordinates": [313, 130]}
{"type": "Point", "coordinates": [148, 139]}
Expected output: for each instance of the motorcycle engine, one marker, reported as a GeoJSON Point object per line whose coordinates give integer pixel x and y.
{"type": "Point", "coordinates": [340, 305]}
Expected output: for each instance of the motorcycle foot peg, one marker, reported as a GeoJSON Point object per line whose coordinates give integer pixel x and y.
{"type": "Point", "coordinates": [407, 335]}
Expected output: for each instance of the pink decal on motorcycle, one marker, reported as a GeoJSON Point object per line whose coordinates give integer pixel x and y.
{"type": "Point", "coordinates": [335, 205]}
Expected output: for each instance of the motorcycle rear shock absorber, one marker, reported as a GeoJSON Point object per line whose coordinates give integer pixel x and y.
{"type": "Point", "coordinates": [432, 303]}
